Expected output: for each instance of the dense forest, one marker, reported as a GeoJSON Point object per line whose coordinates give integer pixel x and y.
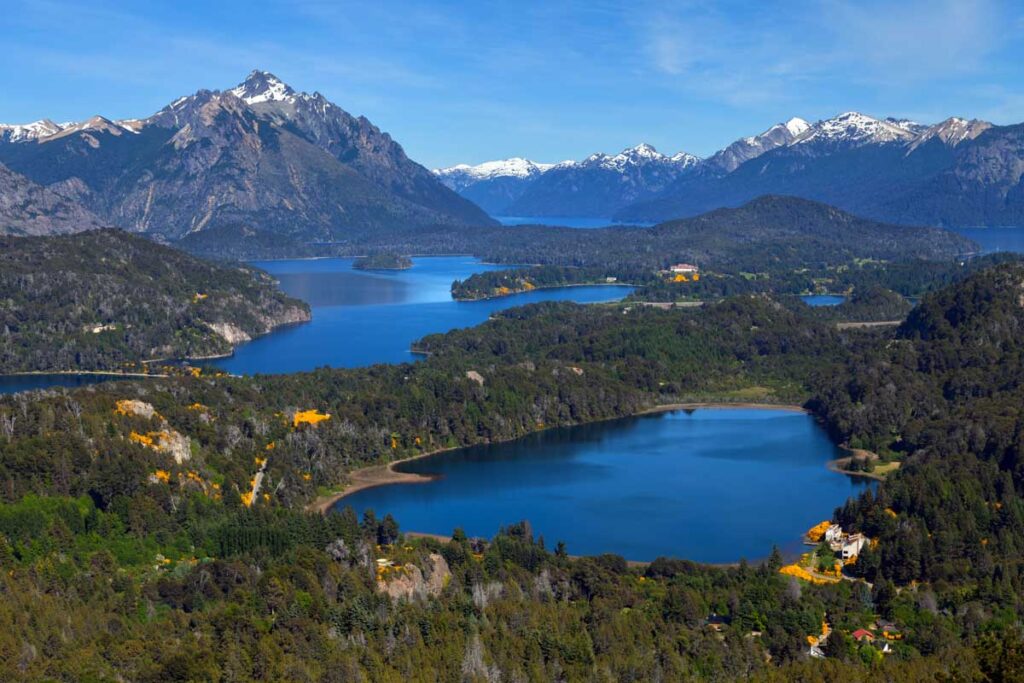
{"type": "Point", "coordinates": [126, 558]}
{"type": "Point", "coordinates": [96, 300]}
{"type": "Point", "coordinates": [767, 233]}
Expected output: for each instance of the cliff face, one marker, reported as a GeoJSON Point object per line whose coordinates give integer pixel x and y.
{"type": "Point", "coordinates": [27, 208]}
{"type": "Point", "coordinates": [411, 582]}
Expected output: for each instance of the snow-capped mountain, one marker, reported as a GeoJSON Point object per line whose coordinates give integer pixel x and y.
{"type": "Point", "coordinates": [498, 186]}
{"type": "Point", "coordinates": [748, 148]}
{"type": "Point", "coordinates": [600, 184]}
{"type": "Point", "coordinates": [259, 160]}
{"type": "Point", "coordinates": [462, 176]}
{"type": "Point", "coordinates": [635, 157]}
{"type": "Point", "coordinates": [854, 128]}
{"type": "Point", "coordinates": [28, 131]}
{"type": "Point", "coordinates": [45, 129]}
{"type": "Point", "coordinates": [261, 87]}
{"type": "Point", "coordinates": [957, 172]}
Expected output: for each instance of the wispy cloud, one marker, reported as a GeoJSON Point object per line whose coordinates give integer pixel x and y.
{"type": "Point", "coordinates": [778, 52]}
{"type": "Point", "coordinates": [456, 80]}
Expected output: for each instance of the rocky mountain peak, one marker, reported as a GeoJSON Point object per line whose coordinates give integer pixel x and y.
{"type": "Point", "coordinates": [28, 131]}
{"type": "Point", "coordinates": [952, 131]}
{"type": "Point", "coordinates": [796, 126]}
{"type": "Point", "coordinates": [262, 86]}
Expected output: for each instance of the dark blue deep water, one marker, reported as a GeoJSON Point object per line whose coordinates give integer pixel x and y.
{"type": "Point", "coordinates": [712, 485]}
{"type": "Point", "coordinates": [366, 317]}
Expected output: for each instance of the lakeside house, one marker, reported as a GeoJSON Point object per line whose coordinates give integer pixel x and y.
{"type": "Point", "coordinates": [852, 545]}
{"type": "Point", "coordinates": [684, 269]}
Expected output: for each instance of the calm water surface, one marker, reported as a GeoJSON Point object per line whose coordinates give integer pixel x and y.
{"type": "Point", "coordinates": [359, 317]}
{"type": "Point", "coordinates": [584, 223]}
{"type": "Point", "coordinates": [823, 299]}
{"type": "Point", "coordinates": [996, 239]}
{"type": "Point", "coordinates": [366, 317]}
{"type": "Point", "coordinates": [11, 384]}
{"type": "Point", "coordinates": [711, 485]}
{"type": "Point", "coordinates": [990, 239]}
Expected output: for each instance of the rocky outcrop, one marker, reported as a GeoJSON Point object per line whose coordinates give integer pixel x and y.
{"type": "Point", "coordinates": [231, 333]}
{"type": "Point", "coordinates": [27, 208]}
{"type": "Point", "coordinates": [411, 582]}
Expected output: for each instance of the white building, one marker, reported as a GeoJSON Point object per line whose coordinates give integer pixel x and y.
{"type": "Point", "coordinates": [833, 533]}
{"type": "Point", "coordinates": [684, 268]}
{"type": "Point", "coordinates": [852, 545]}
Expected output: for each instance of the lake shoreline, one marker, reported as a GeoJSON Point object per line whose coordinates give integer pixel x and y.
{"type": "Point", "coordinates": [384, 474]}
{"type": "Point", "coordinates": [634, 564]}
{"type": "Point", "coordinates": [838, 465]}
{"type": "Point", "coordinates": [493, 297]}
{"type": "Point", "coordinates": [90, 373]}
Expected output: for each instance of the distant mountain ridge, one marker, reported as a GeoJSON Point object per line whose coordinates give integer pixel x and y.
{"type": "Point", "coordinates": [956, 172]}
{"type": "Point", "coordinates": [259, 158]}
{"type": "Point", "coordinates": [595, 186]}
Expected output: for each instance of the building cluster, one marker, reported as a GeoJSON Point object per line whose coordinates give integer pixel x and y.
{"type": "Point", "coordinates": [683, 272]}
{"type": "Point", "coordinates": [846, 546]}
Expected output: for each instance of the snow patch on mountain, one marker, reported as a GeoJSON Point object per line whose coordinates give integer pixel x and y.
{"type": "Point", "coordinates": [855, 128]}
{"type": "Point", "coordinates": [25, 132]}
{"type": "Point", "coordinates": [796, 126]}
{"type": "Point", "coordinates": [261, 86]}
{"type": "Point", "coordinates": [640, 155]}
{"type": "Point", "coordinates": [515, 167]}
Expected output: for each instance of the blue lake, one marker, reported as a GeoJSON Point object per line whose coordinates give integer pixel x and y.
{"type": "Point", "coordinates": [11, 384]}
{"type": "Point", "coordinates": [584, 223]}
{"type": "Point", "coordinates": [366, 317]}
{"type": "Point", "coordinates": [359, 317]}
{"type": "Point", "coordinates": [990, 239]}
{"type": "Point", "coordinates": [996, 239]}
{"type": "Point", "coordinates": [712, 485]}
{"type": "Point", "coordinates": [823, 300]}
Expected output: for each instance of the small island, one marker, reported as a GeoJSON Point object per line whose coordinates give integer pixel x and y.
{"type": "Point", "coordinates": [383, 262]}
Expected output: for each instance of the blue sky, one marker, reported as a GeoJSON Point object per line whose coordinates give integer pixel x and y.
{"type": "Point", "coordinates": [472, 81]}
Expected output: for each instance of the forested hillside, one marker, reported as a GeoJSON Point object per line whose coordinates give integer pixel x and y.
{"type": "Point", "coordinates": [124, 558]}
{"type": "Point", "coordinates": [95, 300]}
{"type": "Point", "coordinates": [944, 394]}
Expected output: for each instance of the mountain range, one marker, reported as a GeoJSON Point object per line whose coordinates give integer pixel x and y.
{"type": "Point", "coordinates": [954, 173]}
{"type": "Point", "coordinates": [257, 159]}
{"type": "Point", "coordinates": [602, 184]}
{"type": "Point", "coordinates": [599, 185]}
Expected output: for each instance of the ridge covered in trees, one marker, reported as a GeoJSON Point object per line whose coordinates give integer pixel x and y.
{"type": "Point", "coordinates": [121, 559]}
{"type": "Point", "coordinates": [96, 300]}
